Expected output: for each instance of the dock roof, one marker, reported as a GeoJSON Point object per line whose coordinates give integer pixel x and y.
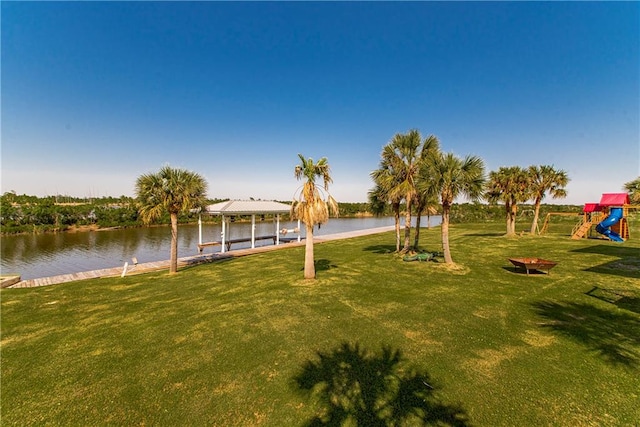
{"type": "Point", "coordinates": [248, 207]}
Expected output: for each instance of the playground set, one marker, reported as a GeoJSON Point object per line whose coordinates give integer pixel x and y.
{"type": "Point", "coordinates": [609, 217]}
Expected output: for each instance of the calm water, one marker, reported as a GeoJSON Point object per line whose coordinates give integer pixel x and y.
{"type": "Point", "coordinates": [42, 255]}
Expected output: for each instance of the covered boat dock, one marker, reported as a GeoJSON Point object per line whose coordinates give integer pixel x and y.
{"type": "Point", "coordinates": [233, 208]}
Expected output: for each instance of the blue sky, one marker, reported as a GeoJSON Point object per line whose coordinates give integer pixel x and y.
{"type": "Point", "coordinates": [96, 93]}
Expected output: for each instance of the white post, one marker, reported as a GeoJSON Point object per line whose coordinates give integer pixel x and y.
{"type": "Point", "coordinates": [200, 229]}
{"type": "Point", "coordinates": [277, 229]}
{"type": "Point", "coordinates": [253, 231]}
{"type": "Point", "coordinates": [124, 269]}
{"type": "Point", "coordinates": [222, 235]}
{"type": "Point", "coordinates": [299, 230]}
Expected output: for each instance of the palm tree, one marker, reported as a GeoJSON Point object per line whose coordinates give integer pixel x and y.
{"type": "Point", "coordinates": [170, 190]}
{"type": "Point", "coordinates": [384, 192]}
{"type": "Point", "coordinates": [450, 177]}
{"type": "Point", "coordinates": [633, 188]}
{"type": "Point", "coordinates": [511, 186]}
{"type": "Point", "coordinates": [378, 199]}
{"type": "Point", "coordinates": [399, 167]}
{"type": "Point", "coordinates": [543, 179]}
{"type": "Point", "coordinates": [423, 205]}
{"type": "Point", "coordinates": [425, 199]}
{"type": "Point", "coordinates": [310, 207]}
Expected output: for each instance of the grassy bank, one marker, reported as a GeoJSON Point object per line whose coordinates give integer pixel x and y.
{"type": "Point", "coordinates": [248, 342]}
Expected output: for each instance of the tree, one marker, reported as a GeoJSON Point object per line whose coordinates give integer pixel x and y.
{"type": "Point", "coordinates": [543, 179]}
{"type": "Point", "coordinates": [399, 166]}
{"type": "Point", "coordinates": [380, 195]}
{"type": "Point", "coordinates": [425, 198]}
{"type": "Point", "coordinates": [10, 214]}
{"type": "Point", "coordinates": [633, 188]}
{"type": "Point", "coordinates": [450, 177]}
{"type": "Point", "coordinates": [378, 200]}
{"type": "Point", "coordinates": [170, 190]}
{"type": "Point", "coordinates": [309, 205]}
{"type": "Point", "coordinates": [424, 204]}
{"type": "Point", "coordinates": [511, 186]}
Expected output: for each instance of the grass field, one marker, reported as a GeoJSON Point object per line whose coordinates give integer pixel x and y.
{"type": "Point", "coordinates": [373, 341]}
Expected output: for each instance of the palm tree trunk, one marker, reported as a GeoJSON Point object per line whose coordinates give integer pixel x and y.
{"type": "Point", "coordinates": [513, 214]}
{"type": "Point", "coordinates": [445, 235]}
{"type": "Point", "coordinates": [536, 213]}
{"type": "Point", "coordinates": [173, 265]}
{"type": "Point", "coordinates": [510, 223]}
{"type": "Point", "coordinates": [309, 267]}
{"type": "Point", "coordinates": [407, 228]}
{"type": "Point", "coordinates": [396, 215]}
{"type": "Point", "coordinates": [416, 240]}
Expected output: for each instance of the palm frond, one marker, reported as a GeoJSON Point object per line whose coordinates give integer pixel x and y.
{"type": "Point", "coordinates": [310, 204]}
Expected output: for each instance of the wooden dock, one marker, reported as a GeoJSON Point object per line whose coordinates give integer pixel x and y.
{"type": "Point", "coordinates": [185, 261]}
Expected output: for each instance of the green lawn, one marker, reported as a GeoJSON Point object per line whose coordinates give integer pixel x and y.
{"type": "Point", "coordinates": [249, 342]}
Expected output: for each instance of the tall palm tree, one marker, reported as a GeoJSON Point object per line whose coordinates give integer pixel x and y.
{"type": "Point", "coordinates": [511, 186]}
{"type": "Point", "coordinates": [543, 179]}
{"type": "Point", "coordinates": [309, 205]}
{"type": "Point", "coordinates": [450, 177]}
{"type": "Point", "coordinates": [170, 190]}
{"type": "Point", "coordinates": [633, 188]}
{"type": "Point", "coordinates": [399, 166]}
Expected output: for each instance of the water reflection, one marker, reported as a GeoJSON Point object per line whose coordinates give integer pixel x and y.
{"type": "Point", "coordinates": [41, 255]}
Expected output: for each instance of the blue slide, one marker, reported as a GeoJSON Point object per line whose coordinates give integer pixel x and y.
{"type": "Point", "coordinates": [603, 228]}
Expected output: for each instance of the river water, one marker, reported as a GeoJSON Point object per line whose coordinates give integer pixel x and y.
{"type": "Point", "coordinates": [42, 255]}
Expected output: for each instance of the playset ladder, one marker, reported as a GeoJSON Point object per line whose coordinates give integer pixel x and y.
{"type": "Point", "coordinates": [581, 230]}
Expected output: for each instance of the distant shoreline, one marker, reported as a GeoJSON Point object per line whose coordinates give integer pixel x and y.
{"type": "Point", "coordinates": [96, 228]}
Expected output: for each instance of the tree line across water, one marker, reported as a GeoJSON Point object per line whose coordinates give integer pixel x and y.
{"type": "Point", "coordinates": [22, 213]}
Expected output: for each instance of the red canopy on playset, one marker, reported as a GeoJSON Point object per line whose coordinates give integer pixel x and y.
{"type": "Point", "coordinates": [591, 207]}
{"type": "Point", "coordinates": [608, 199]}
{"type": "Point", "coordinates": [614, 199]}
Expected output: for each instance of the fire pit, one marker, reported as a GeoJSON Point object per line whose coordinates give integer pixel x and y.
{"type": "Point", "coordinates": [533, 264]}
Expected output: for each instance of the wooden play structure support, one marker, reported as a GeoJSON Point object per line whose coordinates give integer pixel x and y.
{"type": "Point", "coordinates": [547, 218]}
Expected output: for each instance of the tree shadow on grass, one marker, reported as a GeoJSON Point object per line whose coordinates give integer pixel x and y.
{"type": "Point", "coordinates": [381, 249]}
{"type": "Point", "coordinates": [485, 234]}
{"type": "Point", "coordinates": [354, 386]}
{"type": "Point", "coordinates": [623, 298]}
{"type": "Point", "coordinates": [615, 336]}
{"type": "Point", "coordinates": [324, 265]}
{"type": "Point", "coordinates": [613, 249]}
{"type": "Point", "coordinates": [628, 264]}
{"type": "Point", "coordinates": [624, 267]}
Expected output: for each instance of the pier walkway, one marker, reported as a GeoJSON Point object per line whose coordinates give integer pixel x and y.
{"type": "Point", "coordinates": [187, 261]}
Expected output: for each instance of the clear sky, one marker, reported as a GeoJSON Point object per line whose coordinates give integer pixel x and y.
{"type": "Point", "coordinates": [96, 93]}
